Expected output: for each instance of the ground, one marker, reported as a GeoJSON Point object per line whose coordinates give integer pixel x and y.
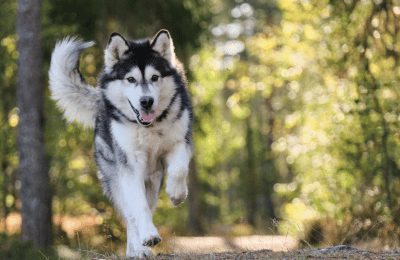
{"type": "Point", "coordinates": [251, 247]}
{"type": "Point", "coordinates": [301, 254]}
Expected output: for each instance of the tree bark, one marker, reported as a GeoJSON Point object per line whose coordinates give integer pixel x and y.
{"type": "Point", "coordinates": [270, 176]}
{"type": "Point", "coordinates": [194, 223]}
{"type": "Point", "coordinates": [33, 172]}
{"type": "Point", "coordinates": [249, 178]}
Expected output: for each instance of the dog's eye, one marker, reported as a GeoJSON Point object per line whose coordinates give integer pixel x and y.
{"type": "Point", "coordinates": [131, 80]}
{"type": "Point", "coordinates": [154, 78]}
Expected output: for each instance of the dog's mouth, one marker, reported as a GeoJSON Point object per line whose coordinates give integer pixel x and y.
{"type": "Point", "coordinates": [145, 117]}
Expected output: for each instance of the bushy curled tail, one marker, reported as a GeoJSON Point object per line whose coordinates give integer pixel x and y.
{"type": "Point", "coordinates": [73, 94]}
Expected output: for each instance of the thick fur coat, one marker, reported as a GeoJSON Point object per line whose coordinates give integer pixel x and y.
{"type": "Point", "coordinates": [142, 116]}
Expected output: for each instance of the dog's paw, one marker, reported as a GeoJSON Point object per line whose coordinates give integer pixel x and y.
{"type": "Point", "coordinates": [138, 252]}
{"type": "Point", "coordinates": [152, 241]}
{"type": "Point", "coordinates": [176, 191]}
{"type": "Point", "coordinates": [149, 236]}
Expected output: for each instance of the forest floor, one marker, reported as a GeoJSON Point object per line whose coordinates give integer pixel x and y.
{"type": "Point", "coordinates": [273, 247]}
{"type": "Point", "coordinates": [339, 252]}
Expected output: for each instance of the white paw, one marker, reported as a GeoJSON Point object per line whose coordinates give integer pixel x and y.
{"type": "Point", "coordinates": [149, 235]}
{"type": "Point", "coordinates": [138, 251]}
{"type": "Point", "coordinates": [176, 190]}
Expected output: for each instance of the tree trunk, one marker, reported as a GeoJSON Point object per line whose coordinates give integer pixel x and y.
{"type": "Point", "coordinates": [194, 224]}
{"type": "Point", "coordinates": [249, 178]}
{"type": "Point", "coordinates": [33, 173]}
{"type": "Point", "coordinates": [270, 176]}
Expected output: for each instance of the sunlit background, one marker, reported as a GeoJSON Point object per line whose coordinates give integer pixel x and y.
{"type": "Point", "coordinates": [296, 125]}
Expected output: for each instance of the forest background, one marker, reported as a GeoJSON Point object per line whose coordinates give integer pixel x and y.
{"type": "Point", "coordinates": [296, 127]}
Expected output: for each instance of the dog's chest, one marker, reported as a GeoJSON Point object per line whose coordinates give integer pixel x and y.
{"type": "Point", "coordinates": [136, 139]}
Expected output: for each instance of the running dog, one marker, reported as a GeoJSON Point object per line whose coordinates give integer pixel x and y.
{"type": "Point", "coordinates": [142, 116]}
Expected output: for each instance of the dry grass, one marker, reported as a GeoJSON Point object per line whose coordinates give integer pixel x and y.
{"type": "Point", "coordinates": [305, 254]}
{"type": "Point", "coordinates": [228, 246]}
{"type": "Point", "coordinates": [181, 245]}
{"type": "Point", "coordinates": [265, 254]}
{"type": "Point", "coordinates": [337, 252]}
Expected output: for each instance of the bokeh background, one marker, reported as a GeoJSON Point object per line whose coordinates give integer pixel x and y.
{"type": "Point", "coordinates": [296, 126]}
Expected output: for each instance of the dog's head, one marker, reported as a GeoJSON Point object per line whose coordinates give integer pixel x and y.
{"type": "Point", "coordinates": [138, 76]}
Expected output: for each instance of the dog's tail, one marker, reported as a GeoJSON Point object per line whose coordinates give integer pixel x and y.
{"type": "Point", "coordinates": [73, 94]}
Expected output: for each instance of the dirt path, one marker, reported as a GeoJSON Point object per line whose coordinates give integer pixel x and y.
{"type": "Point", "coordinates": [222, 244]}
{"type": "Point", "coordinates": [251, 247]}
{"type": "Point", "coordinates": [336, 252]}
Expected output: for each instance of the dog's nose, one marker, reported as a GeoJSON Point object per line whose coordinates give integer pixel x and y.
{"type": "Point", "coordinates": [146, 102]}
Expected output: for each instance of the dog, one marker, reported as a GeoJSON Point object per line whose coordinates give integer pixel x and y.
{"type": "Point", "coordinates": [142, 118]}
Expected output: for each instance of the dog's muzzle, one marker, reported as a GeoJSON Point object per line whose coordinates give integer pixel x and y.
{"type": "Point", "coordinates": [145, 117]}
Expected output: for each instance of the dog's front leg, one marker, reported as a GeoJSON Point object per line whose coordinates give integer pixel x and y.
{"type": "Point", "coordinates": [140, 228]}
{"type": "Point", "coordinates": [134, 247]}
{"type": "Point", "coordinates": [177, 168]}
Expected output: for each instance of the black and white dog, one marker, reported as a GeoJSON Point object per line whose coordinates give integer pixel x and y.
{"type": "Point", "coordinates": [142, 115]}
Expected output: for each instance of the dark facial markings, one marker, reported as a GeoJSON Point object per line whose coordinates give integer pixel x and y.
{"type": "Point", "coordinates": [141, 55]}
{"type": "Point", "coordinates": [145, 87]}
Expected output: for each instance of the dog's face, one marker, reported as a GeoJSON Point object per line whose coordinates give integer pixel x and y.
{"type": "Point", "coordinates": [137, 76]}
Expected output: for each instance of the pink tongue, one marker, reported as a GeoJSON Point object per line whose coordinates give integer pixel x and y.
{"type": "Point", "coordinates": [148, 118]}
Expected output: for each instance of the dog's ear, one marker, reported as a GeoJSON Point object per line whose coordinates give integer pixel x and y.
{"type": "Point", "coordinates": [162, 43]}
{"type": "Point", "coordinates": [115, 50]}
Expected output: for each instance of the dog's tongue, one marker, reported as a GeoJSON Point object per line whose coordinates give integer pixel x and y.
{"type": "Point", "coordinates": [148, 116]}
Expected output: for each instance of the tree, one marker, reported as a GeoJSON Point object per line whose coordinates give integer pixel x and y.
{"type": "Point", "coordinates": [194, 222]}
{"type": "Point", "coordinates": [35, 192]}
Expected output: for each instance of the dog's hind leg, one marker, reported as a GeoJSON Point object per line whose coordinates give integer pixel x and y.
{"type": "Point", "coordinates": [153, 186]}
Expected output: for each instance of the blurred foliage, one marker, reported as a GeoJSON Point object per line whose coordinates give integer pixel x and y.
{"type": "Point", "coordinates": [12, 248]}
{"type": "Point", "coordinates": [296, 117]}
{"type": "Point", "coordinates": [342, 65]}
